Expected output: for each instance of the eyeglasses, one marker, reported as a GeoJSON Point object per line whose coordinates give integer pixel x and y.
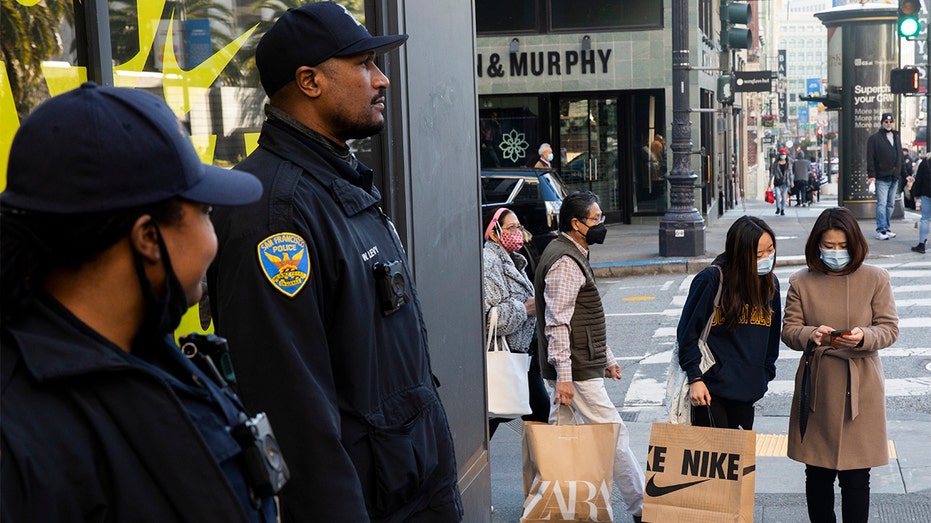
{"type": "Point", "coordinates": [596, 219]}
{"type": "Point", "coordinates": [513, 228]}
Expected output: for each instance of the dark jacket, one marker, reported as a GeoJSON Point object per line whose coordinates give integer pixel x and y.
{"type": "Point", "coordinates": [89, 436]}
{"type": "Point", "coordinates": [922, 184]}
{"type": "Point", "coordinates": [588, 331]}
{"type": "Point", "coordinates": [883, 160]}
{"type": "Point", "coordinates": [745, 357]}
{"type": "Point", "coordinates": [348, 389]}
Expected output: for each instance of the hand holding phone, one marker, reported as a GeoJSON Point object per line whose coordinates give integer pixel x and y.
{"type": "Point", "coordinates": [838, 334]}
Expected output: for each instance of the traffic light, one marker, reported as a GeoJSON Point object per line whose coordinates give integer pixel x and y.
{"type": "Point", "coordinates": [732, 14]}
{"type": "Point", "coordinates": [904, 81]}
{"type": "Point", "coordinates": [909, 25]}
{"type": "Point", "coordinates": [726, 89]}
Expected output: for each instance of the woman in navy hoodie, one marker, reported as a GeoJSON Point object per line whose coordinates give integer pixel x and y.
{"type": "Point", "coordinates": [744, 334]}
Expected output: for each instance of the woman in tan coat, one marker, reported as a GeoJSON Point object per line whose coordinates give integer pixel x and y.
{"type": "Point", "coordinates": [845, 433]}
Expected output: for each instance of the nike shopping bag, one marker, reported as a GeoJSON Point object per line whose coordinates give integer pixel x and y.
{"type": "Point", "coordinates": [568, 471]}
{"type": "Point", "coordinates": [699, 474]}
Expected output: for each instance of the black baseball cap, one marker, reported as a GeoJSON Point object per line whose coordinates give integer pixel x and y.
{"type": "Point", "coordinates": [309, 35]}
{"type": "Point", "coordinates": [97, 149]}
{"type": "Point", "coordinates": [886, 116]}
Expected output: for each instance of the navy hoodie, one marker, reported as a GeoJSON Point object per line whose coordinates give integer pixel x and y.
{"type": "Point", "coordinates": [745, 356]}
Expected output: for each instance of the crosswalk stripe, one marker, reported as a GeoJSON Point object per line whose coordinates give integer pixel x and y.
{"type": "Point", "coordinates": [923, 302]}
{"type": "Point", "coordinates": [908, 323]}
{"type": "Point", "coordinates": [911, 288]}
{"type": "Point", "coordinates": [895, 387]}
{"type": "Point", "coordinates": [891, 352]}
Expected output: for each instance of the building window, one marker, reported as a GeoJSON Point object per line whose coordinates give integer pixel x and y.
{"type": "Point", "coordinates": [598, 14]}
{"type": "Point", "coordinates": [495, 16]}
{"type": "Point", "coordinates": [544, 16]}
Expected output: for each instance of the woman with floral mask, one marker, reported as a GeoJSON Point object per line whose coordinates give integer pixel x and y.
{"type": "Point", "coordinates": [840, 312]}
{"type": "Point", "coordinates": [508, 288]}
{"type": "Point", "coordinates": [744, 333]}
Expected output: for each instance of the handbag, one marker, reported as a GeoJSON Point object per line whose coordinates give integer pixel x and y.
{"type": "Point", "coordinates": [508, 389]}
{"type": "Point", "coordinates": [770, 197]}
{"type": "Point", "coordinates": [699, 474]}
{"type": "Point", "coordinates": [680, 407]}
{"type": "Point", "coordinates": [568, 471]}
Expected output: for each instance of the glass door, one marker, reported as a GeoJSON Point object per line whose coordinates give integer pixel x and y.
{"type": "Point", "coordinates": [588, 149]}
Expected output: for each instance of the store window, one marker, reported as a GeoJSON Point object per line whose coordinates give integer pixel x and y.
{"type": "Point", "coordinates": [197, 55]}
{"type": "Point", "coordinates": [509, 16]}
{"type": "Point", "coordinates": [509, 131]}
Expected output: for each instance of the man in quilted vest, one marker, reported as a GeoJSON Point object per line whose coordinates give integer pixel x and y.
{"type": "Point", "coordinates": [574, 356]}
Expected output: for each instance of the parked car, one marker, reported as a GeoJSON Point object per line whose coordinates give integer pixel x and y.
{"type": "Point", "coordinates": [535, 195]}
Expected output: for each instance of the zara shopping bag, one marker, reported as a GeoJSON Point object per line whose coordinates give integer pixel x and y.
{"type": "Point", "coordinates": [568, 471]}
{"type": "Point", "coordinates": [508, 391]}
{"type": "Point", "coordinates": [699, 475]}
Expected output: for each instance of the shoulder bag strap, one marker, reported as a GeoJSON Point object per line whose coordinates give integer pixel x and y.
{"type": "Point", "coordinates": [714, 308]}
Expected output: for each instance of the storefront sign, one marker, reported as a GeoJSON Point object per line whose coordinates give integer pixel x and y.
{"type": "Point", "coordinates": [753, 81]}
{"type": "Point", "coordinates": [543, 63]}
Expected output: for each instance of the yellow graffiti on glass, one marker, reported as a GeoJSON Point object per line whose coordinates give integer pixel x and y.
{"type": "Point", "coordinates": [182, 90]}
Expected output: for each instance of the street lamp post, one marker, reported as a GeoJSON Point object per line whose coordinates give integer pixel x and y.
{"type": "Point", "coordinates": [682, 229]}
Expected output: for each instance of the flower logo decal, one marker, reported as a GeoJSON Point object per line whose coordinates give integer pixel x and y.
{"type": "Point", "coordinates": [513, 145]}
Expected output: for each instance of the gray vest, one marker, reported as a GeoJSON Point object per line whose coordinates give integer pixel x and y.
{"type": "Point", "coordinates": [588, 336]}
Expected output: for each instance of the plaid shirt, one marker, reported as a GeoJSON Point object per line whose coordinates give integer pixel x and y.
{"type": "Point", "coordinates": [563, 282]}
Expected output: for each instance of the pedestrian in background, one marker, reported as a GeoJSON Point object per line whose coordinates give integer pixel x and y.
{"type": "Point", "coordinates": [106, 237]}
{"type": "Point", "coordinates": [907, 174]}
{"type": "Point", "coordinates": [312, 287]}
{"type": "Point", "coordinates": [779, 173]}
{"type": "Point", "coordinates": [883, 167]}
{"type": "Point", "coordinates": [921, 191]}
{"type": "Point", "coordinates": [574, 354]}
{"type": "Point", "coordinates": [508, 288]}
{"type": "Point", "coordinates": [744, 335]}
{"type": "Point", "coordinates": [546, 157]}
{"type": "Point", "coordinates": [801, 172]}
{"type": "Point", "coordinates": [845, 412]}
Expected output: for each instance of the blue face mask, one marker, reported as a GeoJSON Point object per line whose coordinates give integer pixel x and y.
{"type": "Point", "coordinates": [765, 265]}
{"type": "Point", "coordinates": [835, 260]}
{"type": "Point", "coordinates": [549, 157]}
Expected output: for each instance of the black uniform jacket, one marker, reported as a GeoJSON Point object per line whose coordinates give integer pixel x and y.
{"type": "Point", "coordinates": [88, 436]}
{"type": "Point", "coordinates": [349, 390]}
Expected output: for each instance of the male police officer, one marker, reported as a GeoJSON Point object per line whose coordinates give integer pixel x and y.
{"type": "Point", "coordinates": [312, 289]}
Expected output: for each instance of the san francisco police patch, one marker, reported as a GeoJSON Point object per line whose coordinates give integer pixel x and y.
{"type": "Point", "coordinates": [285, 261]}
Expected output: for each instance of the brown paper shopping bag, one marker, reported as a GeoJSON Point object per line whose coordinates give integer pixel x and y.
{"type": "Point", "coordinates": [568, 471]}
{"type": "Point", "coordinates": [699, 474]}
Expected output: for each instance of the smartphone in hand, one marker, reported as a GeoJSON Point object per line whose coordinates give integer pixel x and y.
{"type": "Point", "coordinates": [838, 334]}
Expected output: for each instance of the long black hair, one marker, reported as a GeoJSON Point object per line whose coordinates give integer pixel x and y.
{"type": "Point", "coordinates": [743, 291]}
{"type": "Point", "coordinates": [35, 243]}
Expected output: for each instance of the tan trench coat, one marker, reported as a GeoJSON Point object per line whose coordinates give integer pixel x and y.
{"type": "Point", "coordinates": [847, 423]}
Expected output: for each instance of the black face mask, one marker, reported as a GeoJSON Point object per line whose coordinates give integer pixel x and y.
{"type": "Point", "coordinates": [596, 234]}
{"type": "Point", "coordinates": [162, 316]}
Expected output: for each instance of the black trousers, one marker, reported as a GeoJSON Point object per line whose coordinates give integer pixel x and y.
{"type": "Point", "coordinates": [801, 192]}
{"type": "Point", "coordinates": [539, 398]}
{"type": "Point", "coordinates": [727, 414]}
{"type": "Point", "coordinates": [854, 491]}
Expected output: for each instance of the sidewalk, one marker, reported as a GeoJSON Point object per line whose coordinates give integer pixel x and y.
{"type": "Point", "coordinates": [634, 249]}
{"type": "Point", "coordinates": [901, 491]}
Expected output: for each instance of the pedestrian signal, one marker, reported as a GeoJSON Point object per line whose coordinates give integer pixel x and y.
{"type": "Point", "coordinates": [904, 81]}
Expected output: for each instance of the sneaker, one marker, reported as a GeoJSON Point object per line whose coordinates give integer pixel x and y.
{"type": "Point", "coordinates": [920, 248]}
{"type": "Point", "coordinates": [890, 233]}
{"type": "Point", "coordinates": [782, 212]}
{"type": "Point", "coordinates": [777, 212]}
{"type": "Point", "coordinates": [881, 235]}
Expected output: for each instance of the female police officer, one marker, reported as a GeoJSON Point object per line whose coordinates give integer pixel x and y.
{"type": "Point", "coordinates": [103, 417]}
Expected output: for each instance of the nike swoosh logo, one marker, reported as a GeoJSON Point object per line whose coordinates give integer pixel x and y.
{"type": "Point", "coordinates": [654, 491]}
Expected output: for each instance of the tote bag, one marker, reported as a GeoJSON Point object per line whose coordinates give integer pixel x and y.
{"type": "Point", "coordinates": [680, 407]}
{"type": "Point", "coordinates": [508, 390]}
